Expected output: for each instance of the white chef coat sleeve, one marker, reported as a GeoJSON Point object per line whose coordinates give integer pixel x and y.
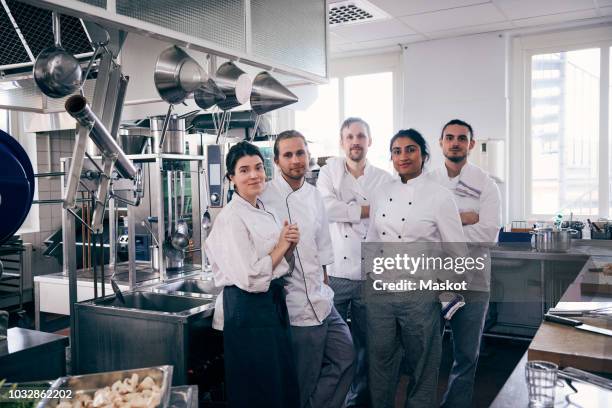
{"type": "Point", "coordinates": [372, 234]}
{"type": "Point", "coordinates": [236, 257]}
{"type": "Point", "coordinates": [449, 225]}
{"type": "Point", "coordinates": [487, 228]}
{"type": "Point", "coordinates": [337, 210]}
{"type": "Point", "coordinates": [323, 237]}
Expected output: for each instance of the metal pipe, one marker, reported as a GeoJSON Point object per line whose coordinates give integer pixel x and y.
{"type": "Point", "coordinates": [121, 91]}
{"type": "Point", "coordinates": [50, 174]}
{"type": "Point", "coordinates": [95, 260]}
{"type": "Point", "coordinates": [102, 262]}
{"type": "Point", "coordinates": [71, 211]}
{"type": "Point", "coordinates": [55, 201]}
{"type": "Point", "coordinates": [79, 109]}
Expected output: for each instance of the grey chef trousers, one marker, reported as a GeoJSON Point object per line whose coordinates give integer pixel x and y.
{"type": "Point", "coordinates": [405, 327]}
{"type": "Point", "coordinates": [259, 363]}
{"type": "Point", "coordinates": [348, 300]}
{"type": "Point", "coordinates": [324, 358]}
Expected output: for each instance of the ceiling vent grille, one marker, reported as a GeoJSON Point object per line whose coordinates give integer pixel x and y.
{"type": "Point", "coordinates": [352, 12]}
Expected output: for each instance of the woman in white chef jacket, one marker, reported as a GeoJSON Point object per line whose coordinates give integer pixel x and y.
{"type": "Point", "coordinates": [405, 325]}
{"type": "Point", "coordinates": [247, 248]}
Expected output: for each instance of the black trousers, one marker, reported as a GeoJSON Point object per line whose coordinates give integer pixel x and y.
{"type": "Point", "coordinates": [259, 361]}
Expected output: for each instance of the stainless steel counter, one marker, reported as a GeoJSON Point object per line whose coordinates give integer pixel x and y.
{"type": "Point", "coordinates": [514, 391]}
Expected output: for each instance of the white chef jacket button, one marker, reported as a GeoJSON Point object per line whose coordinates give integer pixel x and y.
{"type": "Point", "coordinates": [409, 202]}
{"type": "Point", "coordinates": [403, 219]}
{"type": "Point", "coordinates": [384, 233]}
{"type": "Point", "coordinates": [399, 237]}
{"type": "Point", "coordinates": [390, 199]}
{"type": "Point", "coordinates": [364, 237]}
{"type": "Point", "coordinates": [383, 215]}
{"type": "Point", "coordinates": [346, 236]}
{"type": "Point", "coordinates": [345, 257]}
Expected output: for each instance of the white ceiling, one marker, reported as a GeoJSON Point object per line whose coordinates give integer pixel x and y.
{"type": "Point", "coordinates": [420, 20]}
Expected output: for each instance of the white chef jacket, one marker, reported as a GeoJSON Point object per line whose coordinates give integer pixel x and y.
{"type": "Point", "coordinates": [344, 195]}
{"type": "Point", "coordinates": [475, 191]}
{"type": "Point", "coordinates": [238, 248]}
{"type": "Point", "coordinates": [309, 300]}
{"type": "Point", "coordinates": [419, 210]}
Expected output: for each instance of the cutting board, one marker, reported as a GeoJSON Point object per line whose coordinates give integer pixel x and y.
{"type": "Point", "coordinates": [569, 347]}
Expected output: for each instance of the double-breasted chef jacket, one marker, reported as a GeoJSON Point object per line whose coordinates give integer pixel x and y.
{"type": "Point", "coordinates": [344, 195]}
{"type": "Point", "coordinates": [309, 299]}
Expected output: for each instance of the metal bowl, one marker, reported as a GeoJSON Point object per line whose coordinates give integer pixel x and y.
{"type": "Point", "coordinates": [133, 139]}
{"type": "Point", "coordinates": [177, 75]}
{"type": "Point", "coordinates": [235, 84]}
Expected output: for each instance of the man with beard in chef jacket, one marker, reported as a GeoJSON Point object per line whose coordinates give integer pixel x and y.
{"type": "Point", "coordinates": [346, 184]}
{"type": "Point", "coordinates": [321, 339]}
{"type": "Point", "coordinates": [479, 203]}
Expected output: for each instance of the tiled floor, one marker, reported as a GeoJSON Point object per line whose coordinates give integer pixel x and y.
{"type": "Point", "coordinates": [498, 359]}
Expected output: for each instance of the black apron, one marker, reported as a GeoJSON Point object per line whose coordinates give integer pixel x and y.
{"type": "Point", "coordinates": [259, 361]}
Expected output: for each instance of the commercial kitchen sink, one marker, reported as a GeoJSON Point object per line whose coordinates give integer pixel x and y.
{"type": "Point", "coordinates": [189, 287]}
{"type": "Point", "coordinates": [149, 329]}
{"type": "Point", "coordinates": [156, 302]}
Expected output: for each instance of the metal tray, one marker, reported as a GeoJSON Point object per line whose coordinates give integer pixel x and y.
{"type": "Point", "coordinates": [185, 396]}
{"type": "Point", "coordinates": [89, 383]}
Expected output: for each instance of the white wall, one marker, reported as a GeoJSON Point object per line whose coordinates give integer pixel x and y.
{"type": "Point", "coordinates": [462, 78]}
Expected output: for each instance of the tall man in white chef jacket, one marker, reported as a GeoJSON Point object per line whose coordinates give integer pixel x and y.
{"type": "Point", "coordinates": [479, 203]}
{"type": "Point", "coordinates": [321, 339]}
{"type": "Point", "coordinates": [347, 185]}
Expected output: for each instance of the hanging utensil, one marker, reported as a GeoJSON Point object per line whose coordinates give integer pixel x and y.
{"type": "Point", "coordinates": [177, 75]}
{"type": "Point", "coordinates": [57, 72]}
{"type": "Point", "coordinates": [208, 95]}
{"type": "Point", "coordinates": [235, 84]}
{"type": "Point", "coordinates": [116, 289]}
{"type": "Point", "coordinates": [206, 226]}
{"type": "Point", "coordinates": [268, 94]}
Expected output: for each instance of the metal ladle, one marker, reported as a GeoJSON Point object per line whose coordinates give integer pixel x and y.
{"type": "Point", "coordinates": [57, 72]}
{"type": "Point", "coordinates": [206, 225]}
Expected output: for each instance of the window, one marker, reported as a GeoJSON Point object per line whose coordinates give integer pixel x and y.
{"type": "Point", "coordinates": [560, 132]}
{"type": "Point", "coordinates": [565, 132]}
{"type": "Point", "coordinates": [319, 123]}
{"type": "Point", "coordinates": [368, 96]}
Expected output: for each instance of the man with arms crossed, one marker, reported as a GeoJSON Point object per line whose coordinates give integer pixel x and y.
{"type": "Point", "coordinates": [347, 184]}
{"type": "Point", "coordinates": [321, 339]}
{"type": "Point", "coordinates": [479, 203]}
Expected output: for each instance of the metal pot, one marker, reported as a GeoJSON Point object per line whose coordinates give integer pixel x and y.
{"type": "Point", "coordinates": [235, 84]}
{"type": "Point", "coordinates": [548, 239]}
{"type": "Point", "coordinates": [56, 72]}
{"type": "Point", "coordinates": [174, 142]}
{"type": "Point", "coordinates": [177, 75]}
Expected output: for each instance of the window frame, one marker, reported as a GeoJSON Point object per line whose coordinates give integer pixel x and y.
{"type": "Point", "coordinates": [524, 48]}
